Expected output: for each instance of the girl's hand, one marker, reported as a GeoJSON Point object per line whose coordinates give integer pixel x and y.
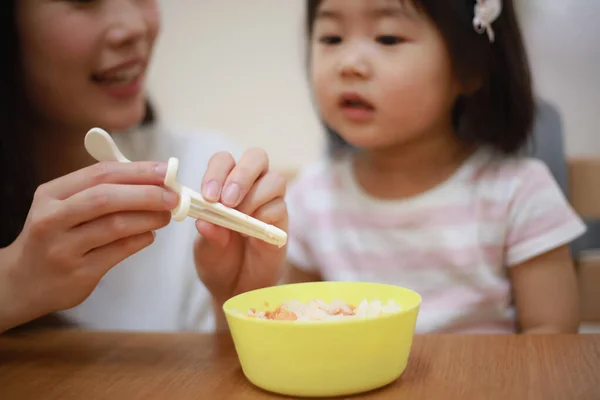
{"type": "Point", "coordinates": [78, 228]}
{"type": "Point", "coordinates": [227, 262]}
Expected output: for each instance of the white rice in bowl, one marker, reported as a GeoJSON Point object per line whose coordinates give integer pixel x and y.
{"type": "Point", "coordinates": [318, 310]}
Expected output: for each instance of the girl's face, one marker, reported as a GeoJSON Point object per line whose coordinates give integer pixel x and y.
{"type": "Point", "coordinates": [84, 62]}
{"type": "Point", "coordinates": [380, 72]}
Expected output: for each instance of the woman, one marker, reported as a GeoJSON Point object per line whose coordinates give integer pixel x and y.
{"type": "Point", "coordinates": [93, 242]}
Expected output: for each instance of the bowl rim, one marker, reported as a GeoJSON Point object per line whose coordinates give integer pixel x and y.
{"type": "Point", "coordinates": [231, 314]}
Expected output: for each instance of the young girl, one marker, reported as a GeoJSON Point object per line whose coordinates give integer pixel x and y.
{"type": "Point", "coordinates": [428, 104]}
{"type": "Point", "coordinates": [94, 241]}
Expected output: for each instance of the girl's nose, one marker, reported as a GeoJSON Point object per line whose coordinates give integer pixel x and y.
{"type": "Point", "coordinates": [354, 62]}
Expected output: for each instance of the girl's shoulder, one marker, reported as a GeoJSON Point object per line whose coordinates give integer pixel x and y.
{"type": "Point", "coordinates": [510, 174]}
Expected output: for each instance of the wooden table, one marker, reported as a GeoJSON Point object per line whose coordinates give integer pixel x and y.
{"type": "Point", "coordinates": [84, 365]}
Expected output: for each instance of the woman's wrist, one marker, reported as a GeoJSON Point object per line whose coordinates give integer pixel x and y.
{"type": "Point", "coordinates": [12, 310]}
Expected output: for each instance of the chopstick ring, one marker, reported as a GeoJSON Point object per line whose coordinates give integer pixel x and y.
{"type": "Point", "coordinates": [180, 212]}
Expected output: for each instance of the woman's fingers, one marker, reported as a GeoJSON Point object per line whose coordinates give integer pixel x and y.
{"type": "Point", "coordinates": [102, 259]}
{"type": "Point", "coordinates": [107, 199]}
{"type": "Point", "coordinates": [136, 173]}
{"type": "Point", "coordinates": [114, 227]}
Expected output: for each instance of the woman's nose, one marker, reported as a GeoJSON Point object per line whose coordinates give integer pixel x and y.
{"type": "Point", "coordinates": [128, 23]}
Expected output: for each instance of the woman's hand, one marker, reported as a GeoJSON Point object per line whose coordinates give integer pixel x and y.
{"type": "Point", "coordinates": [78, 228]}
{"type": "Point", "coordinates": [227, 262]}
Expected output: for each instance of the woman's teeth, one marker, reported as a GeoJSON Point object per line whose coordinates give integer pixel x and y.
{"type": "Point", "coordinates": [120, 77]}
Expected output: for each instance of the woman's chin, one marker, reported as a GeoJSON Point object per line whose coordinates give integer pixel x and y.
{"type": "Point", "coordinates": [119, 122]}
{"type": "Point", "coordinates": [122, 126]}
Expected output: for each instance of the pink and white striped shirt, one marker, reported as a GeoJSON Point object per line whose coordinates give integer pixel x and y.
{"type": "Point", "coordinates": [452, 244]}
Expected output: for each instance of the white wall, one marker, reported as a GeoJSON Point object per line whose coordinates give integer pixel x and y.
{"type": "Point", "coordinates": [237, 66]}
{"type": "Point", "coordinates": [563, 40]}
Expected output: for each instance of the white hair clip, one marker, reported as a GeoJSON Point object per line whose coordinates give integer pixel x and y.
{"type": "Point", "coordinates": [486, 12]}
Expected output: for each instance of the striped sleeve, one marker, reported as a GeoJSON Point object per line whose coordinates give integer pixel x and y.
{"type": "Point", "coordinates": [540, 217]}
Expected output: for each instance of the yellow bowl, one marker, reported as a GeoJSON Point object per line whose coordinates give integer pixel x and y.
{"type": "Point", "coordinates": [323, 358]}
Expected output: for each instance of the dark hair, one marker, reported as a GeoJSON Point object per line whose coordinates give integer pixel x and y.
{"type": "Point", "coordinates": [500, 113]}
{"type": "Point", "coordinates": [17, 180]}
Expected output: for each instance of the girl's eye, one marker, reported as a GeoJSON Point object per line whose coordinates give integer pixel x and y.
{"type": "Point", "coordinates": [389, 40]}
{"type": "Point", "coordinates": [330, 39]}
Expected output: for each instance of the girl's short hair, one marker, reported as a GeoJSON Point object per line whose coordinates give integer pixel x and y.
{"type": "Point", "coordinates": [500, 113]}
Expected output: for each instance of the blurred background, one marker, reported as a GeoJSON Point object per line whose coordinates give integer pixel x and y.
{"type": "Point", "coordinates": [237, 67]}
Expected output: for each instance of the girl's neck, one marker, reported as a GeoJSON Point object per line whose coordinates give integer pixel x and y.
{"type": "Point", "coordinates": [411, 168]}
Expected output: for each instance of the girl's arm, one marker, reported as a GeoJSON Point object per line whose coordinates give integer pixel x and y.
{"type": "Point", "coordinates": [545, 291]}
{"type": "Point", "coordinates": [298, 249]}
{"type": "Point", "coordinates": [541, 224]}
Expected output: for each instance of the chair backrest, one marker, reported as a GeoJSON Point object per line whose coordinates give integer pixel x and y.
{"type": "Point", "coordinates": [548, 142]}
{"type": "Point", "coordinates": [548, 145]}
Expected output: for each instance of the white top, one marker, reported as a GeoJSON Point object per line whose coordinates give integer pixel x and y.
{"type": "Point", "coordinates": [452, 244]}
{"type": "Point", "coordinates": [158, 289]}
